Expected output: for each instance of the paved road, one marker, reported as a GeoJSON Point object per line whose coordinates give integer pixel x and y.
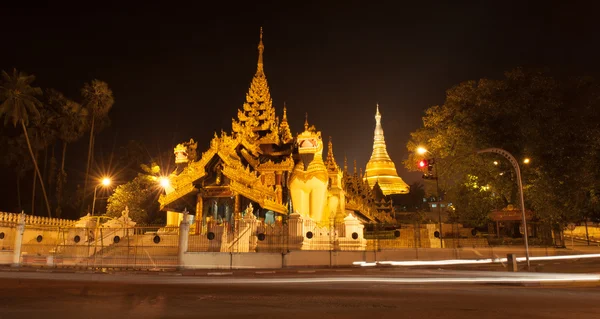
{"type": "Point", "coordinates": [369, 294]}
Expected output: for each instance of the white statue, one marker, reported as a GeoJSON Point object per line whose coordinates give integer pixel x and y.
{"type": "Point", "coordinates": [125, 213]}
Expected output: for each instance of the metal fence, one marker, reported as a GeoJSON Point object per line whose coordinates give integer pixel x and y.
{"type": "Point", "coordinates": [144, 247]}
{"type": "Point", "coordinates": [138, 247]}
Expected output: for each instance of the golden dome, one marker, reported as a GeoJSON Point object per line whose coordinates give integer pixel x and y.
{"type": "Point", "coordinates": [380, 168]}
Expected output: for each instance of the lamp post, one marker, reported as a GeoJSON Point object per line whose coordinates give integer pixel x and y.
{"type": "Point", "coordinates": [105, 182]}
{"type": "Point", "coordinates": [422, 151]}
{"type": "Point", "coordinates": [515, 165]}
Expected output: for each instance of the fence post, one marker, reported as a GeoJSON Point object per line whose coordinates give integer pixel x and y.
{"type": "Point", "coordinates": [184, 230]}
{"type": "Point", "coordinates": [18, 240]}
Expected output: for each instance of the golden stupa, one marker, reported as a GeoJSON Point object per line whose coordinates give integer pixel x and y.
{"type": "Point", "coordinates": [380, 168]}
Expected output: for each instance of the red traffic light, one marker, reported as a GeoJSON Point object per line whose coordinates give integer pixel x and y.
{"type": "Point", "coordinates": [423, 163]}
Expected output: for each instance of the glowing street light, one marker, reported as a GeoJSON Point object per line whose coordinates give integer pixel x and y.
{"type": "Point", "coordinates": [495, 162]}
{"type": "Point", "coordinates": [526, 160]}
{"type": "Point", "coordinates": [164, 182]}
{"type": "Point", "coordinates": [105, 182]}
{"type": "Point", "coordinates": [421, 151]}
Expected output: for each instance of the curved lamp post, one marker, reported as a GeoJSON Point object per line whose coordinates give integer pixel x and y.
{"type": "Point", "coordinates": [515, 165]}
{"type": "Point", "coordinates": [105, 182]}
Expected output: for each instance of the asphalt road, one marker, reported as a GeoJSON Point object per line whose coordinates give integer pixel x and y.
{"type": "Point", "coordinates": [359, 295]}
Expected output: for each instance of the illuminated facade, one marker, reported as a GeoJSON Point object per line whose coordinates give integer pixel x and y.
{"type": "Point", "coordinates": [261, 169]}
{"type": "Point", "coordinates": [380, 168]}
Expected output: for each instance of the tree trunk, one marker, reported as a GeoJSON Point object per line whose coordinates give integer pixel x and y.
{"type": "Point", "coordinates": [36, 167]}
{"type": "Point", "coordinates": [19, 192]}
{"type": "Point", "coordinates": [45, 175]}
{"type": "Point", "coordinates": [61, 181]}
{"type": "Point", "coordinates": [45, 171]}
{"type": "Point", "coordinates": [33, 186]}
{"type": "Point", "coordinates": [64, 153]}
{"type": "Point", "coordinates": [89, 162]}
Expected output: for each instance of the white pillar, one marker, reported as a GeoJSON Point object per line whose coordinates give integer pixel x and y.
{"type": "Point", "coordinates": [18, 241]}
{"type": "Point", "coordinates": [184, 232]}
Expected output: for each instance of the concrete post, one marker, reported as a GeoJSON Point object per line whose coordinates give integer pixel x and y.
{"type": "Point", "coordinates": [511, 262]}
{"type": "Point", "coordinates": [184, 232]}
{"type": "Point", "coordinates": [18, 241]}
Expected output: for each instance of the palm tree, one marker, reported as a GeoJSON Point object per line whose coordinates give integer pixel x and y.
{"type": "Point", "coordinates": [19, 101]}
{"type": "Point", "coordinates": [98, 100]}
{"type": "Point", "coordinates": [71, 124]}
{"type": "Point", "coordinates": [42, 134]}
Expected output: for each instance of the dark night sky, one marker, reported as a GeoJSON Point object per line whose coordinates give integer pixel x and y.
{"type": "Point", "coordinates": [181, 71]}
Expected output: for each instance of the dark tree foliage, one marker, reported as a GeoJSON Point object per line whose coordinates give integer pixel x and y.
{"type": "Point", "coordinates": [553, 122]}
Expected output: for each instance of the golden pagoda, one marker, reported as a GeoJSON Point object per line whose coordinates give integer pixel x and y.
{"type": "Point", "coordinates": [261, 168]}
{"type": "Point", "coordinates": [380, 168]}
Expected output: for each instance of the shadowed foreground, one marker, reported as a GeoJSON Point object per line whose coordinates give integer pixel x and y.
{"type": "Point", "coordinates": [27, 298]}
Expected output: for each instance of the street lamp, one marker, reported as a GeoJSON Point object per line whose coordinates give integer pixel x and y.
{"type": "Point", "coordinates": [164, 182]}
{"type": "Point", "coordinates": [421, 150]}
{"type": "Point", "coordinates": [515, 165]}
{"type": "Point", "coordinates": [105, 182]}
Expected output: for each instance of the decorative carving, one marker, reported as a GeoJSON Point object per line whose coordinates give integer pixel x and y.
{"type": "Point", "coordinates": [185, 152]}
{"type": "Point", "coordinates": [257, 113]}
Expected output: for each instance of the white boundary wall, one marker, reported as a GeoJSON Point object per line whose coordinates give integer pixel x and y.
{"type": "Point", "coordinates": [303, 258]}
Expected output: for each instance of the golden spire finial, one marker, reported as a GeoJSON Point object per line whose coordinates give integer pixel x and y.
{"type": "Point", "coordinates": [345, 164]}
{"type": "Point", "coordinates": [306, 121]}
{"type": "Point", "coordinates": [284, 112]}
{"type": "Point", "coordinates": [261, 48]}
{"type": "Point", "coordinates": [354, 167]}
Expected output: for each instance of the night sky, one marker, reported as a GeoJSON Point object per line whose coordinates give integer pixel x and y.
{"type": "Point", "coordinates": [179, 71]}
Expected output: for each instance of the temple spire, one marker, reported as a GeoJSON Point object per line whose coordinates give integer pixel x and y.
{"type": "Point", "coordinates": [306, 121]}
{"type": "Point", "coordinates": [261, 49]}
{"type": "Point", "coordinates": [380, 168]}
{"type": "Point", "coordinates": [345, 164]}
{"type": "Point", "coordinates": [330, 162]}
{"type": "Point", "coordinates": [284, 127]}
{"type": "Point", "coordinates": [257, 114]}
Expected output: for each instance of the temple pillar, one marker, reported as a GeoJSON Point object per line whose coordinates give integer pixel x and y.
{"type": "Point", "coordinates": [173, 218]}
{"type": "Point", "coordinates": [237, 215]}
{"type": "Point", "coordinates": [18, 240]}
{"type": "Point", "coordinates": [184, 231]}
{"type": "Point", "coordinates": [237, 207]}
{"type": "Point", "coordinates": [198, 221]}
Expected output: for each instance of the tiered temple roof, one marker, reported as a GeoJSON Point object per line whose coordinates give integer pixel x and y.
{"type": "Point", "coordinates": [380, 168]}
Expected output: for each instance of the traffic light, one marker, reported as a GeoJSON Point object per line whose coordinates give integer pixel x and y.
{"type": "Point", "coordinates": [426, 163]}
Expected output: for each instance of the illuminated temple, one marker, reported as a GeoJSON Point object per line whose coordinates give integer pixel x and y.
{"type": "Point", "coordinates": [261, 171]}
{"type": "Point", "coordinates": [380, 168]}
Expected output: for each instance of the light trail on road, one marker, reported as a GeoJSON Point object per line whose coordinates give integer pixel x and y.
{"type": "Point", "coordinates": [469, 261]}
{"type": "Point", "coordinates": [466, 277]}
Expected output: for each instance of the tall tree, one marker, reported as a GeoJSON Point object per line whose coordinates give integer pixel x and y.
{"type": "Point", "coordinates": [19, 102]}
{"type": "Point", "coordinates": [530, 114]}
{"type": "Point", "coordinates": [42, 134]}
{"type": "Point", "coordinates": [71, 124]}
{"type": "Point", "coordinates": [98, 100]}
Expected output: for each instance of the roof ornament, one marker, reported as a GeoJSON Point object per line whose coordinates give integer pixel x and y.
{"type": "Point", "coordinates": [306, 121]}
{"type": "Point", "coordinates": [261, 48]}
